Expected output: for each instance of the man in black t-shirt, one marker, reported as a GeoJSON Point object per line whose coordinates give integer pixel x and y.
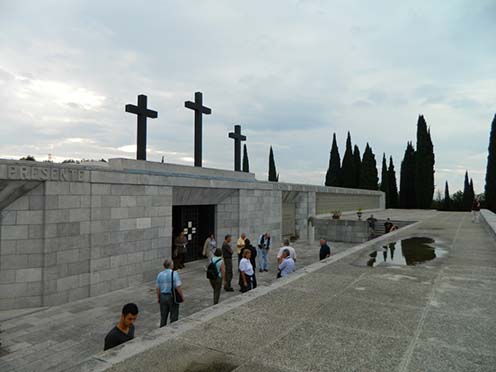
{"type": "Point", "coordinates": [124, 330]}
{"type": "Point", "coordinates": [325, 250]}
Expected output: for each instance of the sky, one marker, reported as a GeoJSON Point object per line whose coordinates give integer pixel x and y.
{"type": "Point", "coordinates": [291, 73]}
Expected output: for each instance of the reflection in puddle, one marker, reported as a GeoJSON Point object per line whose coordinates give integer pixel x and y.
{"type": "Point", "coordinates": [407, 252]}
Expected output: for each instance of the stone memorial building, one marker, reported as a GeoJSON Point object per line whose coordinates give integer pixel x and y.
{"type": "Point", "coordinates": [74, 231]}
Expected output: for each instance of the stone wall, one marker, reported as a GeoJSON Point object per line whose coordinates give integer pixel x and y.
{"type": "Point", "coordinates": [488, 218]}
{"type": "Point", "coordinates": [348, 231]}
{"type": "Point", "coordinates": [260, 211]}
{"type": "Point", "coordinates": [76, 231]}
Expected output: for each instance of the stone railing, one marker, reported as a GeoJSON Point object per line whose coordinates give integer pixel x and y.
{"type": "Point", "coordinates": [488, 218]}
{"type": "Point", "coordinates": [348, 231]}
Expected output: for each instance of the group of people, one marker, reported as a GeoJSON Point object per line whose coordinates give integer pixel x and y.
{"type": "Point", "coordinates": [389, 226]}
{"type": "Point", "coordinates": [220, 273]}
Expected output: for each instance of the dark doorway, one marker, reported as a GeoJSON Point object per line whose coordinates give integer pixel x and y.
{"type": "Point", "coordinates": [197, 221]}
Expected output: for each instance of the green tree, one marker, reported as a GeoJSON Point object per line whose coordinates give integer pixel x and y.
{"type": "Point", "coordinates": [424, 166]}
{"type": "Point", "coordinates": [393, 186]}
{"type": "Point", "coordinates": [384, 187]}
{"type": "Point", "coordinates": [490, 188]}
{"type": "Point", "coordinates": [348, 168]}
{"type": "Point", "coordinates": [407, 179]}
{"type": "Point", "coordinates": [472, 191]}
{"type": "Point", "coordinates": [467, 194]}
{"type": "Point", "coordinates": [333, 176]}
{"type": "Point", "coordinates": [246, 162]}
{"type": "Point", "coordinates": [447, 198]}
{"type": "Point", "coordinates": [273, 176]}
{"type": "Point", "coordinates": [357, 161]}
{"type": "Point", "coordinates": [457, 201]}
{"type": "Point", "coordinates": [368, 171]}
{"type": "Point", "coordinates": [28, 158]}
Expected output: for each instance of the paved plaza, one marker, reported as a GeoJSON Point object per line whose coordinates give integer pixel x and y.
{"type": "Point", "coordinates": [334, 316]}
{"type": "Point", "coordinates": [57, 338]}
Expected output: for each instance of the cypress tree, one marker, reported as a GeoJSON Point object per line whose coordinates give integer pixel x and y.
{"type": "Point", "coordinates": [467, 198]}
{"type": "Point", "coordinates": [385, 180]}
{"type": "Point", "coordinates": [424, 166]}
{"type": "Point", "coordinates": [393, 186]}
{"type": "Point", "coordinates": [447, 198]}
{"type": "Point", "coordinates": [368, 171]}
{"type": "Point", "coordinates": [407, 180]}
{"type": "Point", "coordinates": [490, 188]}
{"type": "Point", "coordinates": [273, 176]}
{"type": "Point", "coordinates": [333, 176]}
{"type": "Point", "coordinates": [358, 164]}
{"type": "Point", "coordinates": [246, 162]}
{"type": "Point", "coordinates": [348, 168]}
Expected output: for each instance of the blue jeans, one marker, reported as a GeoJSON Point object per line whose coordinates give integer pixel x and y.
{"type": "Point", "coordinates": [263, 259]}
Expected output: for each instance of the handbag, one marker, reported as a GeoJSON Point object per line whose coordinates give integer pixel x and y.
{"type": "Point", "coordinates": [176, 297]}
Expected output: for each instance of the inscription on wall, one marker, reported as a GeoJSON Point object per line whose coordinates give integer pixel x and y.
{"type": "Point", "coordinates": [19, 172]}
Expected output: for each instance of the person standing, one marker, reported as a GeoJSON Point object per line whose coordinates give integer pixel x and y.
{"type": "Point", "coordinates": [221, 271]}
{"type": "Point", "coordinates": [287, 266]}
{"type": "Point", "coordinates": [124, 330]}
{"type": "Point", "coordinates": [210, 246]}
{"type": "Point", "coordinates": [180, 248]}
{"type": "Point", "coordinates": [240, 245]}
{"type": "Point", "coordinates": [476, 210]}
{"type": "Point", "coordinates": [227, 253]}
{"type": "Point", "coordinates": [247, 272]}
{"type": "Point", "coordinates": [292, 252]}
{"type": "Point", "coordinates": [388, 225]}
{"type": "Point", "coordinates": [168, 281]}
{"type": "Point", "coordinates": [264, 245]}
{"type": "Point", "coordinates": [325, 250]}
{"type": "Point", "coordinates": [253, 261]}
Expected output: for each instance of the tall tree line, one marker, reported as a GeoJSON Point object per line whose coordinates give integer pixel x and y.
{"type": "Point", "coordinates": [417, 170]}
{"type": "Point", "coordinates": [355, 171]}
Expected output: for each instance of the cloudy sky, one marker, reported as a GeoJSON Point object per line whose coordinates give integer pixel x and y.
{"type": "Point", "coordinates": [290, 72]}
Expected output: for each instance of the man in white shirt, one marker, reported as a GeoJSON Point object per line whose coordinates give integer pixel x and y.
{"type": "Point", "coordinates": [292, 252]}
{"type": "Point", "coordinates": [287, 266]}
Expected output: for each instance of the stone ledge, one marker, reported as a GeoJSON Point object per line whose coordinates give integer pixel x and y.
{"type": "Point", "coordinates": [488, 218]}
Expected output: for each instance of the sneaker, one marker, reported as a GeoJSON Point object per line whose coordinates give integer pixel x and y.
{"type": "Point", "coordinates": [266, 270]}
{"type": "Point", "coordinates": [229, 289]}
{"type": "Point", "coordinates": [261, 270]}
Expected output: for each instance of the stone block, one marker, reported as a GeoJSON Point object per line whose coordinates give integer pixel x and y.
{"type": "Point", "coordinates": [56, 216]}
{"type": "Point", "coordinates": [35, 260]}
{"type": "Point", "coordinates": [109, 201]}
{"type": "Point", "coordinates": [8, 247]}
{"type": "Point", "coordinates": [79, 214]}
{"type": "Point", "coordinates": [14, 290]}
{"type": "Point", "coordinates": [8, 217]}
{"type": "Point", "coordinates": [69, 201]}
{"type": "Point", "coordinates": [119, 213]}
{"type": "Point", "coordinates": [135, 212]}
{"type": "Point", "coordinates": [30, 246]}
{"type": "Point", "coordinates": [79, 188]}
{"type": "Point", "coordinates": [79, 293]}
{"type": "Point", "coordinates": [29, 217]}
{"type": "Point", "coordinates": [14, 232]}
{"type": "Point", "coordinates": [51, 202]}
{"type": "Point", "coordinates": [55, 299]}
{"type": "Point", "coordinates": [28, 275]}
{"type": "Point", "coordinates": [100, 264]}
{"type": "Point", "coordinates": [7, 276]}
{"type": "Point", "coordinates": [20, 204]}
{"type": "Point", "coordinates": [68, 229]}
{"type": "Point", "coordinates": [96, 201]}
{"type": "Point", "coordinates": [68, 256]}
{"type": "Point", "coordinates": [128, 201]}
{"type": "Point", "coordinates": [118, 261]}
{"type": "Point", "coordinates": [57, 188]}
{"type": "Point", "coordinates": [100, 189]}
{"type": "Point", "coordinates": [143, 223]}
{"type": "Point", "coordinates": [128, 224]}
{"type": "Point", "coordinates": [100, 213]}
{"type": "Point", "coordinates": [36, 202]}
{"type": "Point", "coordinates": [100, 288]}
{"type": "Point", "coordinates": [128, 189]}
{"type": "Point", "coordinates": [36, 231]}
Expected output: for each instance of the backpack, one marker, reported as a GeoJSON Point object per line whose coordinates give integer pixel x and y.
{"type": "Point", "coordinates": [212, 272]}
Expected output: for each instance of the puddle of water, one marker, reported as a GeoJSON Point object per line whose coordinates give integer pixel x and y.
{"type": "Point", "coordinates": [406, 252]}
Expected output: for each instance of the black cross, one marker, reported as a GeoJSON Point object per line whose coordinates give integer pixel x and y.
{"type": "Point", "coordinates": [143, 112]}
{"type": "Point", "coordinates": [238, 137]}
{"type": "Point", "coordinates": [199, 109]}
